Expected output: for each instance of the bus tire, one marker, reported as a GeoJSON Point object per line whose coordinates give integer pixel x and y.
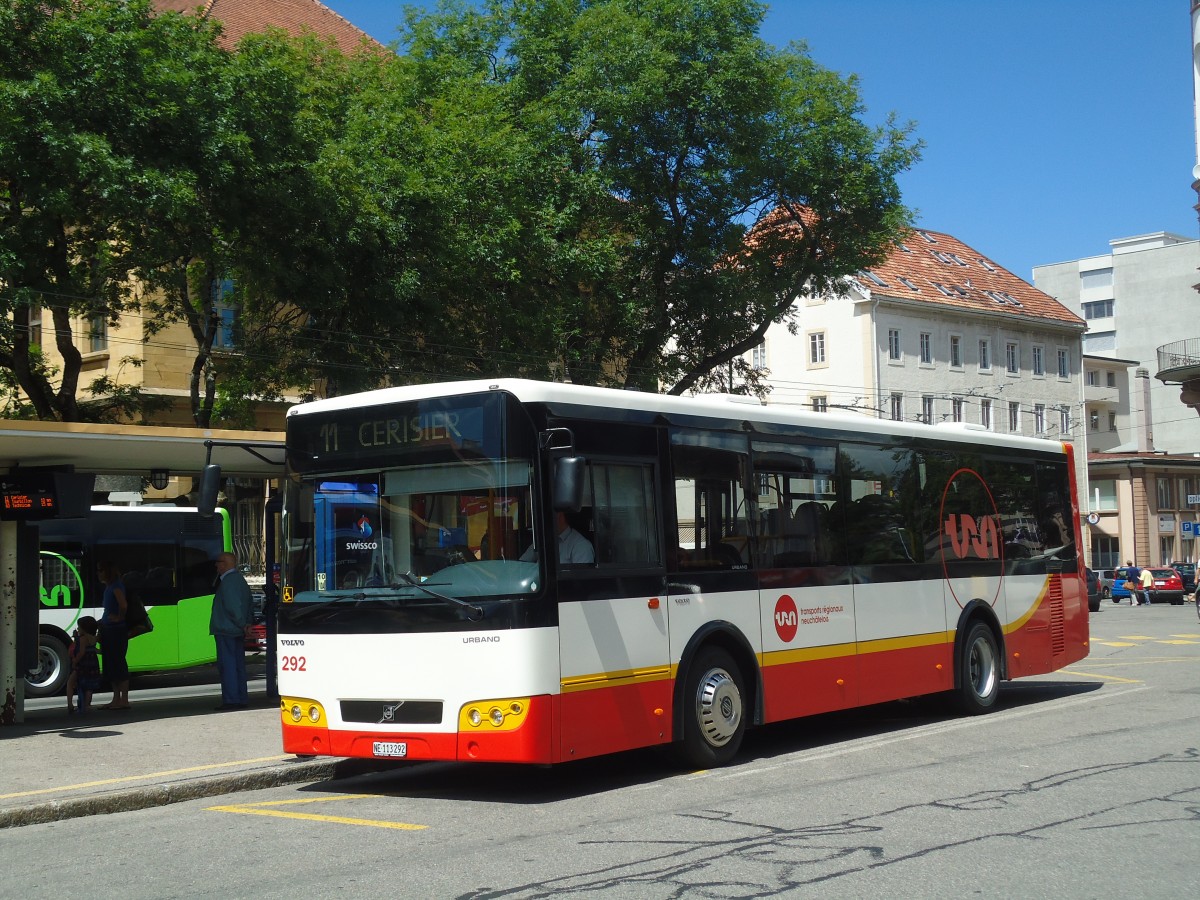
{"type": "Point", "coordinates": [714, 714]}
{"type": "Point", "coordinates": [979, 671]}
{"type": "Point", "coordinates": [50, 675]}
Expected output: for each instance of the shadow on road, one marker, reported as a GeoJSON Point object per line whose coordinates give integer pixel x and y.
{"type": "Point", "coordinates": [504, 783]}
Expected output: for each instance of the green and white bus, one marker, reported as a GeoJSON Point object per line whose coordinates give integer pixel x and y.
{"type": "Point", "coordinates": [165, 555]}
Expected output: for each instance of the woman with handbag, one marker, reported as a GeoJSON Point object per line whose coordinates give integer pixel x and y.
{"type": "Point", "coordinates": [114, 635]}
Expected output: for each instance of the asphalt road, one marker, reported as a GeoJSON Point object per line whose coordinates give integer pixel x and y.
{"type": "Point", "coordinates": [1085, 783]}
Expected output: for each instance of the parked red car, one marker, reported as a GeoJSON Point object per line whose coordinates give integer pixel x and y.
{"type": "Point", "coordinates": [1168, 587]}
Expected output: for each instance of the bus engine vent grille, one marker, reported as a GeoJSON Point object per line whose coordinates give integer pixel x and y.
{"type": "Point", "coordinates": [1058, 631]}
{"type": "Point", "coordinates": [392, 712]}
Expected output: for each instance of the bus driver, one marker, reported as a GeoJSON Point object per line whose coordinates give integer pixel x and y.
{"type": "Point", "coordinates": [573, 547]}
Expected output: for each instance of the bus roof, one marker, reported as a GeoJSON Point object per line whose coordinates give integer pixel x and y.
{"type": "Point", "coordinates": [721, 406]}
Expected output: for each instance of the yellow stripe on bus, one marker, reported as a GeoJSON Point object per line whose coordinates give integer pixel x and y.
{"type": "Point", "coordinates": [618, 678]}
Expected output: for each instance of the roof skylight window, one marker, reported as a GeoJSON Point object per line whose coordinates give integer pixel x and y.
{"type": "Point", "coordinates": [925, 234]}
{"type": "Point", "coordinates": [908, 284]}
{"type": "Point", "coordinates": [945, 290]}
{"type": "Point", "coordinates": [987, 265]}
{"type": "Point", "coordinates": [872, 277]}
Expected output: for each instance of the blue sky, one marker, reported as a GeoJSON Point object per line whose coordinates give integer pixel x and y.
{"type": "Point", "coordinates": [1051, 126]}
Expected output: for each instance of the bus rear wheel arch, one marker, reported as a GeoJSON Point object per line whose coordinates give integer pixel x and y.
{"type": "Point", "coordinates": [715, 706]}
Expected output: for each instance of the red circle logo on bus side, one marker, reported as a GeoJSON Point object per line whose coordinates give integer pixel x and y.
{"type": "Point", "coordinates": [787, 619]}
{"type": "Point", "coordinates": [976, 535]}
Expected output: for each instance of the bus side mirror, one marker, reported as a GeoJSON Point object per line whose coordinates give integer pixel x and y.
{"type": "Point", "coordinates": [210, 486]}
{"type": "Point", "coordinates": [569, 472]}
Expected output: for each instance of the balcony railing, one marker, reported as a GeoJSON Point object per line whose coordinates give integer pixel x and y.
{"type": "Point", "coordinates": [1179, 361]}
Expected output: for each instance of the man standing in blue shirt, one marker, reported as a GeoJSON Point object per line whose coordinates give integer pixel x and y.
{"type": "Point", "coordinates": [231, 612]}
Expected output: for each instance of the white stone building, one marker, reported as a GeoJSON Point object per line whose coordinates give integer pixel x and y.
{"type": "Point", "coordinates": [937, 332]}
{"type": "Point", "coordinates": [1135, 299]}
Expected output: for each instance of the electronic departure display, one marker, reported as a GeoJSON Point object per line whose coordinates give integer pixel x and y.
{"type": "Point", "coordinates": [29, 496]}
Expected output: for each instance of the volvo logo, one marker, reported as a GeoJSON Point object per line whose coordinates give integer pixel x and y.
{"type": "Point", "coordinates": [389, 713]}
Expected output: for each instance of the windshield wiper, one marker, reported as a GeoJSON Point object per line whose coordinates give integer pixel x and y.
{"type": "Point", "coordinates": [317, 607]}
{"type": "Point", "coordinates": [474, 613]}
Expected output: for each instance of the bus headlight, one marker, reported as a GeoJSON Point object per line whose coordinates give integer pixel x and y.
{"type": "Point", "coordinates": [301, 711]}
{"type": "Point", "coordinates": [493, 715]}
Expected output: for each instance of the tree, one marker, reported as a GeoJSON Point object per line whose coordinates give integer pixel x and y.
{"type": "Point", "coordinates": [98, 103]}
{"type": "Point", "coordinates": [694, 179]}
{"type": "Point", "coordinates": [146, 171]}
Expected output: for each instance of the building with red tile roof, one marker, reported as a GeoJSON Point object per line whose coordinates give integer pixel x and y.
{"type": "Point", "coordinates": [935, 332]}
{"type": "Point", "coordinates": [940, 270]}
{"type": "Point", "coordinates": [240, 17]}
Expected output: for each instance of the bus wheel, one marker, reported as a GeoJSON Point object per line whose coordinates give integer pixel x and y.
{"type": "Point", "coordinates": [714, 710]}
{"type": "Point", "coordinates": [979, 675]}
{"type": "Point", "coordinates": [50, 675]}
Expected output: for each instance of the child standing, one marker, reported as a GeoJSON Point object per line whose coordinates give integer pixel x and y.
{"type": "Point", "coordinates": [85, 666]}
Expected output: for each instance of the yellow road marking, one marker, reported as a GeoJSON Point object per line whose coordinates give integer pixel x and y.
{"type": "Point", "coordinates": [149, 775]}
{"type": "Point", "coordinates": [261, 809]}
{"type": "Point", "coordinates": [1114, 643]}
{"type": "Point", "coordinates": [1136, 637]}
{"type": "Point", "coordinates": [1176, 641]}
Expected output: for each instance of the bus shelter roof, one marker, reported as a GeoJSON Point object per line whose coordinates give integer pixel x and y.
{"type": "Point", "coordinates": [136, 449]}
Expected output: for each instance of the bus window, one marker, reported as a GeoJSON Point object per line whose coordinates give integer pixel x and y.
{"type": "Point", "coordinates": [796, 485]}
{"type": "Point", "coordinates": [61, 568]}
{"type": "Point", "coordinates": [196, 557]}
{"type": "Point", "coordinates": [1013, 484]}
{"type": "Point", "coordinates": [1058, 516]}
{"type": "Point", "coordinates": [887, 492]}
{"type": "Point", "coordinates": [147, 568]}
{"type": "Point", "coordinates": [624, 514]}
{"type": "Point", "coordinates": [710, 500]}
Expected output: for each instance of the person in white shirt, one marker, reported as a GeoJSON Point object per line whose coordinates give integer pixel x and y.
{"type": "Point", "coordinates": [573, 547]}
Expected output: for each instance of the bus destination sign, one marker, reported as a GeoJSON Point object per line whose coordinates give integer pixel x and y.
{"type": "Point", "coordinates": [389, 434]}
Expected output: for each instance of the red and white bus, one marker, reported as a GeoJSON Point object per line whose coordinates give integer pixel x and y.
{"type": "Point", "coordinates": [741, 564]}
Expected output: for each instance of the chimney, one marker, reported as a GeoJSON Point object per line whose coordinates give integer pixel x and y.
{"type": "Point", "coordinates": [1145, 430]}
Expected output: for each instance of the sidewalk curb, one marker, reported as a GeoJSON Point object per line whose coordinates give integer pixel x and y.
{"type": "Point", "coordinates": [152, 795]}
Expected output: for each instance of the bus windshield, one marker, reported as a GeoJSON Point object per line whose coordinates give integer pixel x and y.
{"type": "Point", "coordinates": [422, 534]}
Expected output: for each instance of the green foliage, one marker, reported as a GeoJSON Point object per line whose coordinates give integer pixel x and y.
{"type": "Point", "coordinates": [98, 103]}
{"type": "Point", "coordinates": [673, 181]}
{"type": "Point", "coordinates": [616, 191]}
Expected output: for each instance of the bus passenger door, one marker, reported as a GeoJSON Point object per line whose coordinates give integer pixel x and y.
{"type": "Point", "coordinates": [806, 601]}
{"type": "Point", "coordinates": [614, 651]}
{"type": "Point", "coordinates": [712, 585]}
{"type": "Point", "coordinates": [889, 520]}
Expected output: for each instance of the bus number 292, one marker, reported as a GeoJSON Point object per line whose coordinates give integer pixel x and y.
{"type": "Point", "coordinates": [293, 663]}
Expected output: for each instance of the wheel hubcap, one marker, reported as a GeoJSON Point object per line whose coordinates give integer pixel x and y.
{"type": "Point", "coordinates": [718, 707]}
{"type": "Point", "coordinates": [983, 668]}
{"type": "Point", "coordinates": [46, 670]}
